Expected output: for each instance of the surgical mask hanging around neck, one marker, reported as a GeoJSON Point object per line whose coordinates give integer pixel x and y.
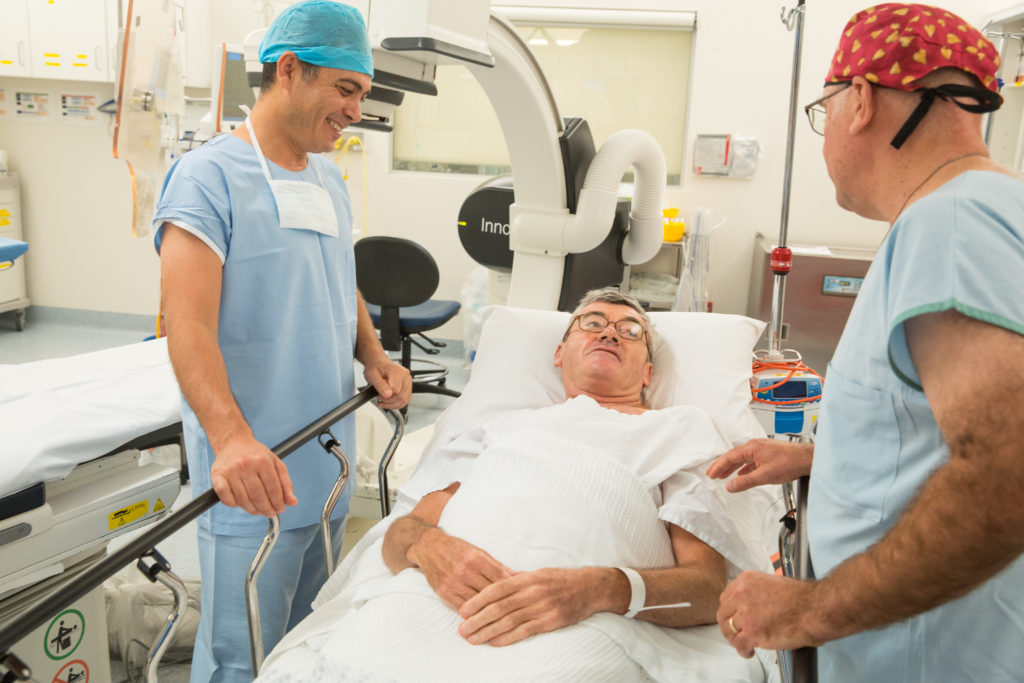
{"type": "Point", "coordinates": [300, 205]}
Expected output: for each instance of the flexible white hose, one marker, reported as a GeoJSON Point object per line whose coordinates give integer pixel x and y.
{"type": "Point", "coordinates": [596, 207]}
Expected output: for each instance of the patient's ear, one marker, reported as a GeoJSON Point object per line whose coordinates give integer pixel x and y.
{"type": "Point", "coordinates": [648, 373]}
{"type": "Point", "coordinates": [558, 355]}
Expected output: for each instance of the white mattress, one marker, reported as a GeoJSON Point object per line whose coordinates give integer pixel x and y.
{"type": "Point", "coordinates": [61, 412]}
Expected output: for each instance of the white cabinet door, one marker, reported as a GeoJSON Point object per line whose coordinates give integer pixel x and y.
{"type": "Point", "coordinates": [69, 39]}
{"type": "Point", "coordinates": [15, 46]}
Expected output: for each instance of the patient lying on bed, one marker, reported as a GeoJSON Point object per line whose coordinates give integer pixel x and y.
{"type": "Point", "coordinates": [511, 570]}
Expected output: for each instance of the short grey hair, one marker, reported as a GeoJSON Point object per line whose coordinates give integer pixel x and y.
{"type": "Point", "coordinates": [612, 295]}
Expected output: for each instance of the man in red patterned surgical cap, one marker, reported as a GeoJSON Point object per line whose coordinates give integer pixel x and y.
{"type": "Point", "coordinates": [916, 480]}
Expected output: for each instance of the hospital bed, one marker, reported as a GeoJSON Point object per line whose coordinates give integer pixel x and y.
{"type": "Point", "coordinates": [700, 359]}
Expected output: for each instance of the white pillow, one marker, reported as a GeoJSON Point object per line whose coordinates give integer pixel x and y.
{"type": "Point", "coordinates": [700, 359]}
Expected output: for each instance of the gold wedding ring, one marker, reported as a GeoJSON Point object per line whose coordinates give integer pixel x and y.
{"type": "Point", "coordinates": [733, 627]}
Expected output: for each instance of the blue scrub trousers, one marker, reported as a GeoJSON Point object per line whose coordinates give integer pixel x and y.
{"type": "Point", "coordinates": [290, 579]}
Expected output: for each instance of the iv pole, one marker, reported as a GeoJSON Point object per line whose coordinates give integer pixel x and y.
{"type": "Point", "coordinates": [782, 256]}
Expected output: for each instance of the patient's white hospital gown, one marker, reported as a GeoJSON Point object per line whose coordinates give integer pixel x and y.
{"type": "Point", "coordinates": [570, 485]}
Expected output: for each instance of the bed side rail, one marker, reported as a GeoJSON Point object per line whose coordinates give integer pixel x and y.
{"type": "Point", "coordinates": [800, 665]}
{"type": "Point", "coordinates": [331, 445]}
{"type": "Point", "coordinates": [16, 629]}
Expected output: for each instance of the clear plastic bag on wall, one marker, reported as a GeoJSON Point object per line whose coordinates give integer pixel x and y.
{"type": "Point", "coordinates": [745, 153]}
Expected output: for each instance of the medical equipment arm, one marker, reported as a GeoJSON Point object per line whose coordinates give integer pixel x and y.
{"type": "Point", "coordinates": [962, 529]}
{"type": "Point", "coordinates": [542, 231]}
{"type": "Point", "coordinates": [245, 473]}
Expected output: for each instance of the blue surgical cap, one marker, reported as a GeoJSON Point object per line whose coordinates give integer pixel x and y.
{"type": "Point", "coordinates": [320, 32]}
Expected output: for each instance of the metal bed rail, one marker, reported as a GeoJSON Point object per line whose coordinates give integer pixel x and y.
{"type": "Point", "coordinates": [332, 446]}
{"type": "Point", "coordinates": [800, 665]}
{"type": "Point", "coordinates": [15, 629]}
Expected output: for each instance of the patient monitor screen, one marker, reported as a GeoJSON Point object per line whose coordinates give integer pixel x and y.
{"type": "Point", "coordinates": [790, 390]}
{"type": "Point", "coordinates": [236, 88]}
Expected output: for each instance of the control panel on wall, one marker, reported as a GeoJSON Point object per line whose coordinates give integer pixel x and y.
{"type": "Point", "coordinates": [841, 285]}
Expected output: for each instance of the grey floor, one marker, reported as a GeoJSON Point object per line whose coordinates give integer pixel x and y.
{"type": "Point", "coordinates": [54, 333]}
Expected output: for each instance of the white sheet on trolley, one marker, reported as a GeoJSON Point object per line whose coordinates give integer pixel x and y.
{"type": "Point", "coordinates": [61, 412]}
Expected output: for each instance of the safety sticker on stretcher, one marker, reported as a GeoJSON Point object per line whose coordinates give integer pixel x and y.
{"type": "Point", "coordinates": [64, 634]}
{"type": "Point", "coordinates": [73, 672]}
{"type": "Point", "coordinates": [127, 515]}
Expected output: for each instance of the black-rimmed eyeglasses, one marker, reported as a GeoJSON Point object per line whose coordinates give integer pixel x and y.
{"type": "Point", "coordinates": [816, 112]}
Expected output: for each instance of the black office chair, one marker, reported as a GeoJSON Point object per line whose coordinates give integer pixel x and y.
{"type": "Point", "coordinates": [397, 277]}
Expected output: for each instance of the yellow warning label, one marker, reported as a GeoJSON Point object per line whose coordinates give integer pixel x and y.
{"type": "Point", "coordinates": [159, 505]}
{"type": "Point", "coordinates": [129, 514]}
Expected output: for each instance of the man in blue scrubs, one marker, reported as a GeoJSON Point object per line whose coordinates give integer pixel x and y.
{"type": "Point", "coordinates": [915, 520]}
{"type": "Point", "coordinates": [264, 321]}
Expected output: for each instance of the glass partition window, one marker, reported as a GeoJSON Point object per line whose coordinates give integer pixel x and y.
{"type": "Point", "coordinates": [615, 77]}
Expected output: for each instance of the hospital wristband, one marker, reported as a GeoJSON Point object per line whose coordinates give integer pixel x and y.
{"type": "Point", "coordinates": [638, 594]}
{"type": "Point", "coordinates": [637, 591]}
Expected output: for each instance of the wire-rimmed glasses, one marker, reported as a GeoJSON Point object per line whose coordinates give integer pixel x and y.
{"type": "Point", "coordinates": [816, 113]}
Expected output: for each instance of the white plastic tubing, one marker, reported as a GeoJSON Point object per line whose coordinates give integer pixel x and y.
{"type": "Point", "coordinates": [596, 207]}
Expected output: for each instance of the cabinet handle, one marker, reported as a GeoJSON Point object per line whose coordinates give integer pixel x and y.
{"type": "Point", "coordinates": [21, 58]}
{"type": "Point", "coordinates": [98, 53]}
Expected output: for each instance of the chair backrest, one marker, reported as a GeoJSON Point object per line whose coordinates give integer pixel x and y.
{"type": "Point", "coordinates": [393, 272]}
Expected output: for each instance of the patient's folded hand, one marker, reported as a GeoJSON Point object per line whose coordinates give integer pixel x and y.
{"type": "Point", "coordinates": [529, 603]}
{"type": "Point", "coordinates": [455, 569]}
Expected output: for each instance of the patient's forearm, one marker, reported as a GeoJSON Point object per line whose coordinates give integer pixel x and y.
{"type": "Point", "coordinates": [698, 578]}
{"type": "Point", "coordinates": [401, 535]}
{"type": "Point", "coordinates": [695, 585]}
{"type": "Point", "coordinates": [406, 531]}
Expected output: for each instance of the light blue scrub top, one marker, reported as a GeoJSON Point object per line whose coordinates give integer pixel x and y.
{"type": "Point", "coordinates": [287, 326]}
{"type": "Point", "coordinates": [960, 247]}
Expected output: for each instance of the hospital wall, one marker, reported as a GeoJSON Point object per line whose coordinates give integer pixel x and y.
{"type": "Point", "coordinates": [77, 199]}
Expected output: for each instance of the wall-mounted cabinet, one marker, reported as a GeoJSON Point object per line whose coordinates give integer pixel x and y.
{"type": "Point", "coordinates": [66, 39]}
{"type": "Point", "coordinates": [15, 42]}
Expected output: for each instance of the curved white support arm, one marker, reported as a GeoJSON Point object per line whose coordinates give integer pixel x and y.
{"type": "Point", "coordinates": [542, 231]}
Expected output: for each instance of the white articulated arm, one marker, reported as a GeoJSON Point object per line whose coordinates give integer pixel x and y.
{"type": "Point", "coordinates": [531, 125]}
{"type": "Point", "coordinates": [542, 231]}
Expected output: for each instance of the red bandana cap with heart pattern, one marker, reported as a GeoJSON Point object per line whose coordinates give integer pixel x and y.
{"type": "Point", "coordinates": [896, 44]}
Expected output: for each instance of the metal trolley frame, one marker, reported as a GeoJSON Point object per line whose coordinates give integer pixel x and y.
{"type": "Point", "coordinates": [158, 569]}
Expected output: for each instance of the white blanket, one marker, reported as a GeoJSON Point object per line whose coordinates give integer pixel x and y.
{"type": "Point", "coordinates": [61, 412]}
{"type": "Point", "coordinates": [532, 500]}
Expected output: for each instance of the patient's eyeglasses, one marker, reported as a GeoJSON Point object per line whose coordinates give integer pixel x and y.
{"type": "Point", "coordinates": [628, 328]}
{"type": "Point", "coordinates": [816, 113]}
